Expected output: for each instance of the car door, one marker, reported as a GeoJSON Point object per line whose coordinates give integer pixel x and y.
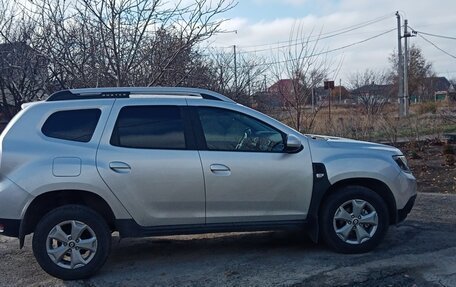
{"type": "Point", "coordinates": [147, 160]}
{"type": "Point", "coordinates": [248, 175]}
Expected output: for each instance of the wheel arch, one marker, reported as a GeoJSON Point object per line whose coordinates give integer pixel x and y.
{"type": "Point", "coordinates": [373, 184]}
{"type": "Point", "coordinates": [50, 200]}
{"type": "Point", "coordinates": [322, 189]}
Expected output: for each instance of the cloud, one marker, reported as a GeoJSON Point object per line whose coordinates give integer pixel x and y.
{"type": "Point", "coordinates": [427, 16]}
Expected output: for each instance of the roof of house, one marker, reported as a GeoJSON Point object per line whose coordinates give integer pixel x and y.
{"type": "Point", "coordinates": [437, 83]}
{"type": "Point", "coordinates": [283, 85]}
{"type": "Point", "coordinates": [373, 89]}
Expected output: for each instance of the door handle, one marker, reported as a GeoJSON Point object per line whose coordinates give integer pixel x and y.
{"type": "Point", "coordinates": [220, 169]}
{"type": "Point", "coordinates": [119, 167]}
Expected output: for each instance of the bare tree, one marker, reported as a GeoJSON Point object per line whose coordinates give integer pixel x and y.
{"type": "Point", "coordinates": [121, 43]}
{"type": "Point", "coordinates": [419, 68]}
{"type": "Point", "coordinates": [298, 70]}
{"type": "Point", "coordinates": [372, 91]}
{"type": "Point", "coordinates": [23, 71]}
{"type": "Point", "coordinates": [240, 84]}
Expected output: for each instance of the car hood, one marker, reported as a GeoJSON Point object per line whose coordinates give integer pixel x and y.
{"type": "Point", "coordinates": [337, 145]}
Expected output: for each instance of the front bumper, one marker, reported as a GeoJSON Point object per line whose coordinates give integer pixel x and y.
{"type": "Point", "coordinates": [402, 213]}
{"type": "Point", "coordinates": [10, 227]}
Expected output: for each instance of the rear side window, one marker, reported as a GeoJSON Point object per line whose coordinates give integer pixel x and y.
{"type": "Point", "coordinates": [151, 127]}
{"type": "Point", "coordinates": [73, 125]}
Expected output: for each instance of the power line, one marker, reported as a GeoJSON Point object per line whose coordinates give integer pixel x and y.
{"type": "Point", "coordinates": [329, 51]}
{"type": "Point", "coordinates": [434, 35]}
{"type": "Point", "coordinates": [330, 34]}
{"type": "Point", "coordinates": [293, 43]}
{"type": "Point", "coordinates": [437, 47]}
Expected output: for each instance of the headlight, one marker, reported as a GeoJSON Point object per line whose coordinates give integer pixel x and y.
{"type": "Point", "coordinates": [401, 162]}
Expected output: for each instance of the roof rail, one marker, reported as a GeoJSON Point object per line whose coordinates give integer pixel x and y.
{"type": "Point", "coordinates": [125, 92]}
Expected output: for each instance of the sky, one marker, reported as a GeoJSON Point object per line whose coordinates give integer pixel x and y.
{"type": "Point", "coordinates": [261, 26]}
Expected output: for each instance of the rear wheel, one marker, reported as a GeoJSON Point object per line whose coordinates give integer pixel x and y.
{"type": "Point", "coordinates": [71, 242]}
{"type": "Point", "coordinates": [354, 219]}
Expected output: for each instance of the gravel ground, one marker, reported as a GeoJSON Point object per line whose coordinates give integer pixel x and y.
{"type": "Point", "coordinates": [419, 252]}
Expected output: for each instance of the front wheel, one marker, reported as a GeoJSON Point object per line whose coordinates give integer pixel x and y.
{"type": "Point", "coordinates": [354, 219]}
{"type": "Point", "coordinates": [71, 242]}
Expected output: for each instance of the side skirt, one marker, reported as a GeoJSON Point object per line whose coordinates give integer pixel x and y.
{"type": "Point", "coordinates": [129, 228]}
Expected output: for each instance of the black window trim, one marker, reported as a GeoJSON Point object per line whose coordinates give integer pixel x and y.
{"type": "Point", "coordinates": [201, 139]}
{"type": "Point", "coordinates": [190, 141]}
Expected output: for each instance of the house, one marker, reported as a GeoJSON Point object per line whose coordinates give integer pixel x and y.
{"type": "Point", "coordinates": [435, 88]}
{"type": "Point", "coordinates": [286, 90]}
{"type": "Point", "coordinates": [289, 90]}
{"type": "Point", "coordinates": [371, 92]}
{"type": "Point", "coordinates": [340, 95]}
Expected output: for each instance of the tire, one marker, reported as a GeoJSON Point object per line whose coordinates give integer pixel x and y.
{"type": "Point", "coordinates": [65, 257]}
{"type": "Point", "coordinates": [361, 227]}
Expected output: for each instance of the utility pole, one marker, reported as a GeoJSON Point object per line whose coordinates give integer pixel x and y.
{"type": "Point", "coordinates": [329, 104]}
{"type": "Point", "coordinates": [329, 85]}
{"type": "Point", "coordinates": [313, 100]}
{"type": "Point", "coordinates": [406, 95]}
{"type": "Point", "coordinates": [400, 68]}
{"type": "Point", "coordinates": [340, 91]}
{"type": "Point", "coordinates": [264, 83]}
{"type": "Point", "coordinates": [221, 78]}
{"type": "Point", "coordinates": [249, 87]}
{"type": "Point", "coordinates": [407, 34]}
{"type": "Point", "coordinates": [235, 72]}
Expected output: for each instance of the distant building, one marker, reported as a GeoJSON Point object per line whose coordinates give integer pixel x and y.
{"type": "Point", "coordinates": [434, 88]}
{"type": "Point", "coordinates": [285, 90]}
{"type": "Point", "coordinates": [373, 91]}
{"type": "Point", "coordinates": [340, 95]}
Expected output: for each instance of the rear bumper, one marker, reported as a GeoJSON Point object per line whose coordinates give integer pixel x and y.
{"type": "Point", "coordinates": [402, 213]}
{"type": "Point", "coordinates": [10, 227]}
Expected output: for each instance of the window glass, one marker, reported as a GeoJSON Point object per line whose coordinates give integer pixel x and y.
{"type": "Point", "coordinates": [73, 125]}
{"type": "Point", "coordinates": [230, 131]}
{"type": "Point", "coordinates": [154, 127]}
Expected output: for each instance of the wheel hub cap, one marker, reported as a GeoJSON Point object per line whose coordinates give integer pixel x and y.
{"type": "Point", "coordinates": [355, 221]}
{"type": "Point", "coordinates": [71, 244]}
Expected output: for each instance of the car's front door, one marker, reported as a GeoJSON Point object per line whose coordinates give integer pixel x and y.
{"type": "Point", "coordinates": [248, 175]}
{"type": "Point", "coordinates": [146, 159]}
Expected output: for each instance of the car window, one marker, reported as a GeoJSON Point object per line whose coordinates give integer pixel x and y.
{"type": "Point", "coordinates": [73, 125]}
{"type": "Point", "coordinates": [152, 127]}
{"type": "Point", "coordinates": [228, 130]}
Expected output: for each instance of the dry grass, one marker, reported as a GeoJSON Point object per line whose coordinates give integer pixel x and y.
{"type": "Point", "coordinates": [349, 121]}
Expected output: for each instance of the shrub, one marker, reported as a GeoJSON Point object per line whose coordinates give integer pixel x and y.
{"type": "Point", "coordinates": [425, 108]}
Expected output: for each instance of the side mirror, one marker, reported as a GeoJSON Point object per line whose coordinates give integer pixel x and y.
{"type": "Point", "coordinates": [293, 144]}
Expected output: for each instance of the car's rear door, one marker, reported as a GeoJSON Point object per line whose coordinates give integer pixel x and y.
{"type": "Point", "coordinates": [147, 158]}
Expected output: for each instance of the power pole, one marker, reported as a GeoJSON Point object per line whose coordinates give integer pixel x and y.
{"type": "Point", "coordinates": [329, 85]}
{"type": "Point", "coordinates": [400, 68]}
{"type": "Point", "coordinates": [406, 95]}
{"type": "Point", "coordinates": [329, 104]}
{"type": "Point", "coordinates": [340, 91]}
{"type": "Point", "coordinates": [222, 88]}
{"type": "Point", "coordinates": [249, 87]}
{"type": "Point", "coordinates": [235, 71]}
{"type": "Point", "coordinates": [313, 100]}
{"type": "Point", "coordinates": [264, 83]}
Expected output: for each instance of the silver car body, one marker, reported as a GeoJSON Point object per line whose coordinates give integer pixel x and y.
{"type": "Point", "coordinates": [181, 187]}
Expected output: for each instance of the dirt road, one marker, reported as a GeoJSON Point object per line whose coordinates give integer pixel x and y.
{"type": "Point", "coordinates": [421, 251]}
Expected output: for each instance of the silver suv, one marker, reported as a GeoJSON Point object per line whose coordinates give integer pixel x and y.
{"type": "Point", "coordinates": [165, 161]}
